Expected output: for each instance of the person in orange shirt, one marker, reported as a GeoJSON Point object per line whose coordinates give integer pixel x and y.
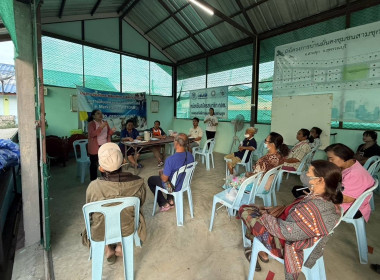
{"type": "Point", "coordinates": [159, 133]}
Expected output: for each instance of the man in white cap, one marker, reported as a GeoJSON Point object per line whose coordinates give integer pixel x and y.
{"type": "Point", "coordinates": [114, 183]}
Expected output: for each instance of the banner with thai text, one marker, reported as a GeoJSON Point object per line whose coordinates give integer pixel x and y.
{"type": "Point", "coordinates": [203, 99]}
{"type": "Point", "coordinates": [116, 107]}
{"type": "Point", "coordinates": [345, 63]}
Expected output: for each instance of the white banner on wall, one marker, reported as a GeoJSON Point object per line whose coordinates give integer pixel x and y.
{"type": "Point", "coordinates": [203, 99]}
{"type": "Point", "coordinates": [345, 63]}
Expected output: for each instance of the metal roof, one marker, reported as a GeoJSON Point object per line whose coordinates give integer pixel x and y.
{"type": "Point", "coordinates": [184, 32]}
{"type": "Point", "coordinates": [7, 79]}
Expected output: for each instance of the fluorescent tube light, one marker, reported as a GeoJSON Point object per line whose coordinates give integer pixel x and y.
{"type": "Point", "coordinates": [203, 7]}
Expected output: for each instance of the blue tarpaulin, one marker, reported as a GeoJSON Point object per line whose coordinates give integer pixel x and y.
{"type": "Point", "coordinates": [9, 153]}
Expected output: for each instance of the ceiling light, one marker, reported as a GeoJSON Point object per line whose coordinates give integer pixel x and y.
{"type": "Point", "coordinates": [203, 7]}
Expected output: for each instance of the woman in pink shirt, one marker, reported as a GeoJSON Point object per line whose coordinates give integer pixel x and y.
{"type": "Point", "coordinates": [99, 133]}
{"type": "Point", "coordinates": [356, 179]}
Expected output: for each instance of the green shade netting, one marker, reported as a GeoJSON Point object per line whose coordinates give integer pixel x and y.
{"type": "Point", "coordinates": [7, 15]}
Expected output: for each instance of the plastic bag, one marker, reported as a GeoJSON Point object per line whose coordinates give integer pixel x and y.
{"type": "Point", "coordinates": [9, 153]}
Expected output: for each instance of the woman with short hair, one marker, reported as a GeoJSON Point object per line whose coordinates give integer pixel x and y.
{"type": "Point", "coordinates": [369, 148]}
{"type": "Point", "coordinates": [299, 151]}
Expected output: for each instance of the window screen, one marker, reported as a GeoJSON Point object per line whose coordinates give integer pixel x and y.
{"type": "Point", "coordinates": [101, 69]}
{"type": "Point", "coordinates": [135, 74]}
{"type": "Point", "coordinates": [161, 77]}
{"type": "Point", "coordinates": [65, 69]}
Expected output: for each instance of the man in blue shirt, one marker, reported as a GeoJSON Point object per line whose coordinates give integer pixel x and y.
{"type": "Point", "coordinates": [172, 164]}
{"type": "Point", "coordinates": [249, 144]}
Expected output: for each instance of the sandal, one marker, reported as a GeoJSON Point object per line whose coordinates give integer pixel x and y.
{"type": "Point", "coordinates": [165, 208]}
{"type": "Point", "coordinates": [171, 204]}
{"type": "Point", "coordinates": [248, 253]}
{"type": "Point", "coordinates": [262, 259]}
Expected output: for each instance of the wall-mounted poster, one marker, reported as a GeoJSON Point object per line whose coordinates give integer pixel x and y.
{"type": "Point", "coordinates": [203, 99]}
{"type": "Point", "coordinates": [154, 106]}
{"type": "Point", "coordinates": [116, 107]}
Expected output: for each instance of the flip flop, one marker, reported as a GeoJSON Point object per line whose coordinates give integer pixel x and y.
{"type": "Point", "coordinates": [164, 209]}
{"type": "Point", "coordinates": [247, 253]}
{"type": "Point", "coordinates": [172, 205]}
{"type": "Point", "coordinates": [262, 259]}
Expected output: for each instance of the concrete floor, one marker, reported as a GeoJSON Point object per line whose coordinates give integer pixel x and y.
{"type": "Point", "coordinates": [191, 251]}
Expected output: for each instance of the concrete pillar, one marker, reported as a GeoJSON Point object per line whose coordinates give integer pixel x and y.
{"type": "Point", "coordinates": [26, 122]}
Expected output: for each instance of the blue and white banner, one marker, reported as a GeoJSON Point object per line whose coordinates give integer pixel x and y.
{"type": "Point", "coordinates": [116, 107]}
{"type": "Point", "coordinates": [203, 99]}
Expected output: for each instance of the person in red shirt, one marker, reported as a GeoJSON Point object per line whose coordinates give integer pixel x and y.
{"type": "Point", "coordinates": [159, 133]}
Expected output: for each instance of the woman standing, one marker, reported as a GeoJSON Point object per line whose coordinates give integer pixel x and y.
{"type": "Point", "coordinates": [99, 133]}
{"type": "Point", "coordinates": [212, 123]}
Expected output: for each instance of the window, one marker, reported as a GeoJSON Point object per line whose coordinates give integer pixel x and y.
{"type": "Point", "coordinates": [135, 74]}
{"type": "Point", "coordinates": [101, 69]}
{"type": "Point", "coordinates": [65, 69]}
{"type": "Point", "coordinates": [161, 77]}
{"type": "Point", "coordinates": [231, 68]}
{"type": "Point", "coordinates": [190, 76]}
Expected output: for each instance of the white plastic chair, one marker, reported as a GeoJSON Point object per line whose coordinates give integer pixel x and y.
{"type": "Point", "coordinates": [260, 189]}
{"type": "Point", "coordinates": [260, 151]}
{"type": "Point", "coordinates": [246, 164]}
{"type": "Point", "coordinates": [373, 169]}
{"type": "Point", "coordinates": [317, 272]}
{"type": "Point", "coordinates": [303, 166]}
{"type": "Point", "coordinates": [206, 153]}
{"type": "Point", "coordinates": [83, 161]}
{"type": "Point", "coordinates": [359, 224]}
{"type": "Point", "coordinates": [171, 149]}
{"type": "Point", "coordinates": [178, 196]}
{"type": "Point", "coordinates": [234, 204]}
{"type": "Point", "coordinates": [113, 233]}
{"type": "Point", "coordinates": [369, 161]}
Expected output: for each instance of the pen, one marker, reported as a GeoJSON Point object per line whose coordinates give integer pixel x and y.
{"type": "Point", "coordinates": [302, 188]}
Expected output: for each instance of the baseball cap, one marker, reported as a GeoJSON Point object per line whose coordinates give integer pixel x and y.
{"type": "Point", "coordinates": [110, 157]}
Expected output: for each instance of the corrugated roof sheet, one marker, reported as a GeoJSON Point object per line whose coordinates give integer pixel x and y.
{"type": "Point", "coordinates": [7, 78]}
{"type": "Point", "coordinates": [167, 33]}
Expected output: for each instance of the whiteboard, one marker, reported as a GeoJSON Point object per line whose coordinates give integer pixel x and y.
{"type": "Point", "coordinates": [291, 113]}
